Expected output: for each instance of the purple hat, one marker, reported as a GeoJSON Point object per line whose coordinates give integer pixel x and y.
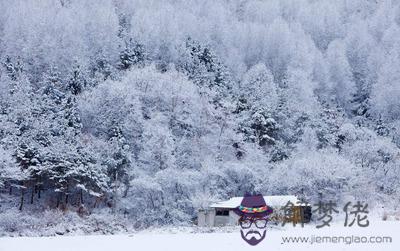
{"type": "Point", "coordinates": [253, 206]}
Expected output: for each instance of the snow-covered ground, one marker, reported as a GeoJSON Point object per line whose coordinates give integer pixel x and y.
{"type": "Point", "coordinates": [210, 241]}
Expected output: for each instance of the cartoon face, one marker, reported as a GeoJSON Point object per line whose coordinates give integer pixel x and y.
{"type": "Point", "coordinates": [253, 229]}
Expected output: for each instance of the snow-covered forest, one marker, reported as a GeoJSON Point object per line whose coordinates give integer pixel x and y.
{"type": "Point", "coordinates": [148, 110]}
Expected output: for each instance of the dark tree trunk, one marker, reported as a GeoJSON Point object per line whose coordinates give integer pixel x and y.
{"type": "Point", "coordinates": [39, 187]}
{"type": "Point", "coordinates": [32, 194]}
{"type": "Point", "coordinates": [21, 205]}
{"type": "Point", "coordinates": [58, 200]}
{"type": "Point", "coordinates": [81, 197]}
{"type": "Point", "coordinates": [126, 192]}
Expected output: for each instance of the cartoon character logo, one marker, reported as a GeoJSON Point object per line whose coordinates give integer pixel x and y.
{"type": "Point", "coordinates": [253, 212]}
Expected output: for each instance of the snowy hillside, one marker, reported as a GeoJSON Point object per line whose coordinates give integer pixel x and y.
{"type": "Point", "coordinates": [145, 111]}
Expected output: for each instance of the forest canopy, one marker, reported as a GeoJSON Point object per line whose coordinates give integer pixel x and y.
{"type": "Point", "coordinates": [152, 109]}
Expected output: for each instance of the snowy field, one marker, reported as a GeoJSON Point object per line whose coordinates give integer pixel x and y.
{"type": "Point", "coordinates": [210, 241]}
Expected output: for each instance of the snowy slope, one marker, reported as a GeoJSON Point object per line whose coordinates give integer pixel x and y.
{"type": "Point", "coordinates": [210, 241]}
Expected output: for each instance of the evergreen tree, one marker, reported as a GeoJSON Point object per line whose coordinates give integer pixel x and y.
{"type": "Point", "coordinates": [133, 54]}
{"type": "Point", "coordinates": [13, 69]}
{"type": "Point", "coordinates": [118, 163]}
{"type": "Point", "coordinates": [205, 69]}
{"type": "Point", "coordinates": [77, 83]}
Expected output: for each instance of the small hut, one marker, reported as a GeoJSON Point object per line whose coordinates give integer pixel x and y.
{"type": "Point", "coordinates": [222, 214]}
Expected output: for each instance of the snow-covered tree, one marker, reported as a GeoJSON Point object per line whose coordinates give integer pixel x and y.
{"type": "Point", "coordinates": [155, 105]}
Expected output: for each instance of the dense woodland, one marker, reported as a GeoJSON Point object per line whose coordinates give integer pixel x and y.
{"type": "Point", "coordinates": [152, 109]}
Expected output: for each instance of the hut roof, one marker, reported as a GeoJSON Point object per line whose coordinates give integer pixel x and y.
{"type": "Point", "coordinates": [273, 201]}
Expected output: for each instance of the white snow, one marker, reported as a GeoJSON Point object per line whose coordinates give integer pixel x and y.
{"type": "Point", "coordinates": [210, 241]}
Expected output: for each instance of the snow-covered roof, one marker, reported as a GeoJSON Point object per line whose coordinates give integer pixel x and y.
{"type": "Point", "coordinates": [273, 201]}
